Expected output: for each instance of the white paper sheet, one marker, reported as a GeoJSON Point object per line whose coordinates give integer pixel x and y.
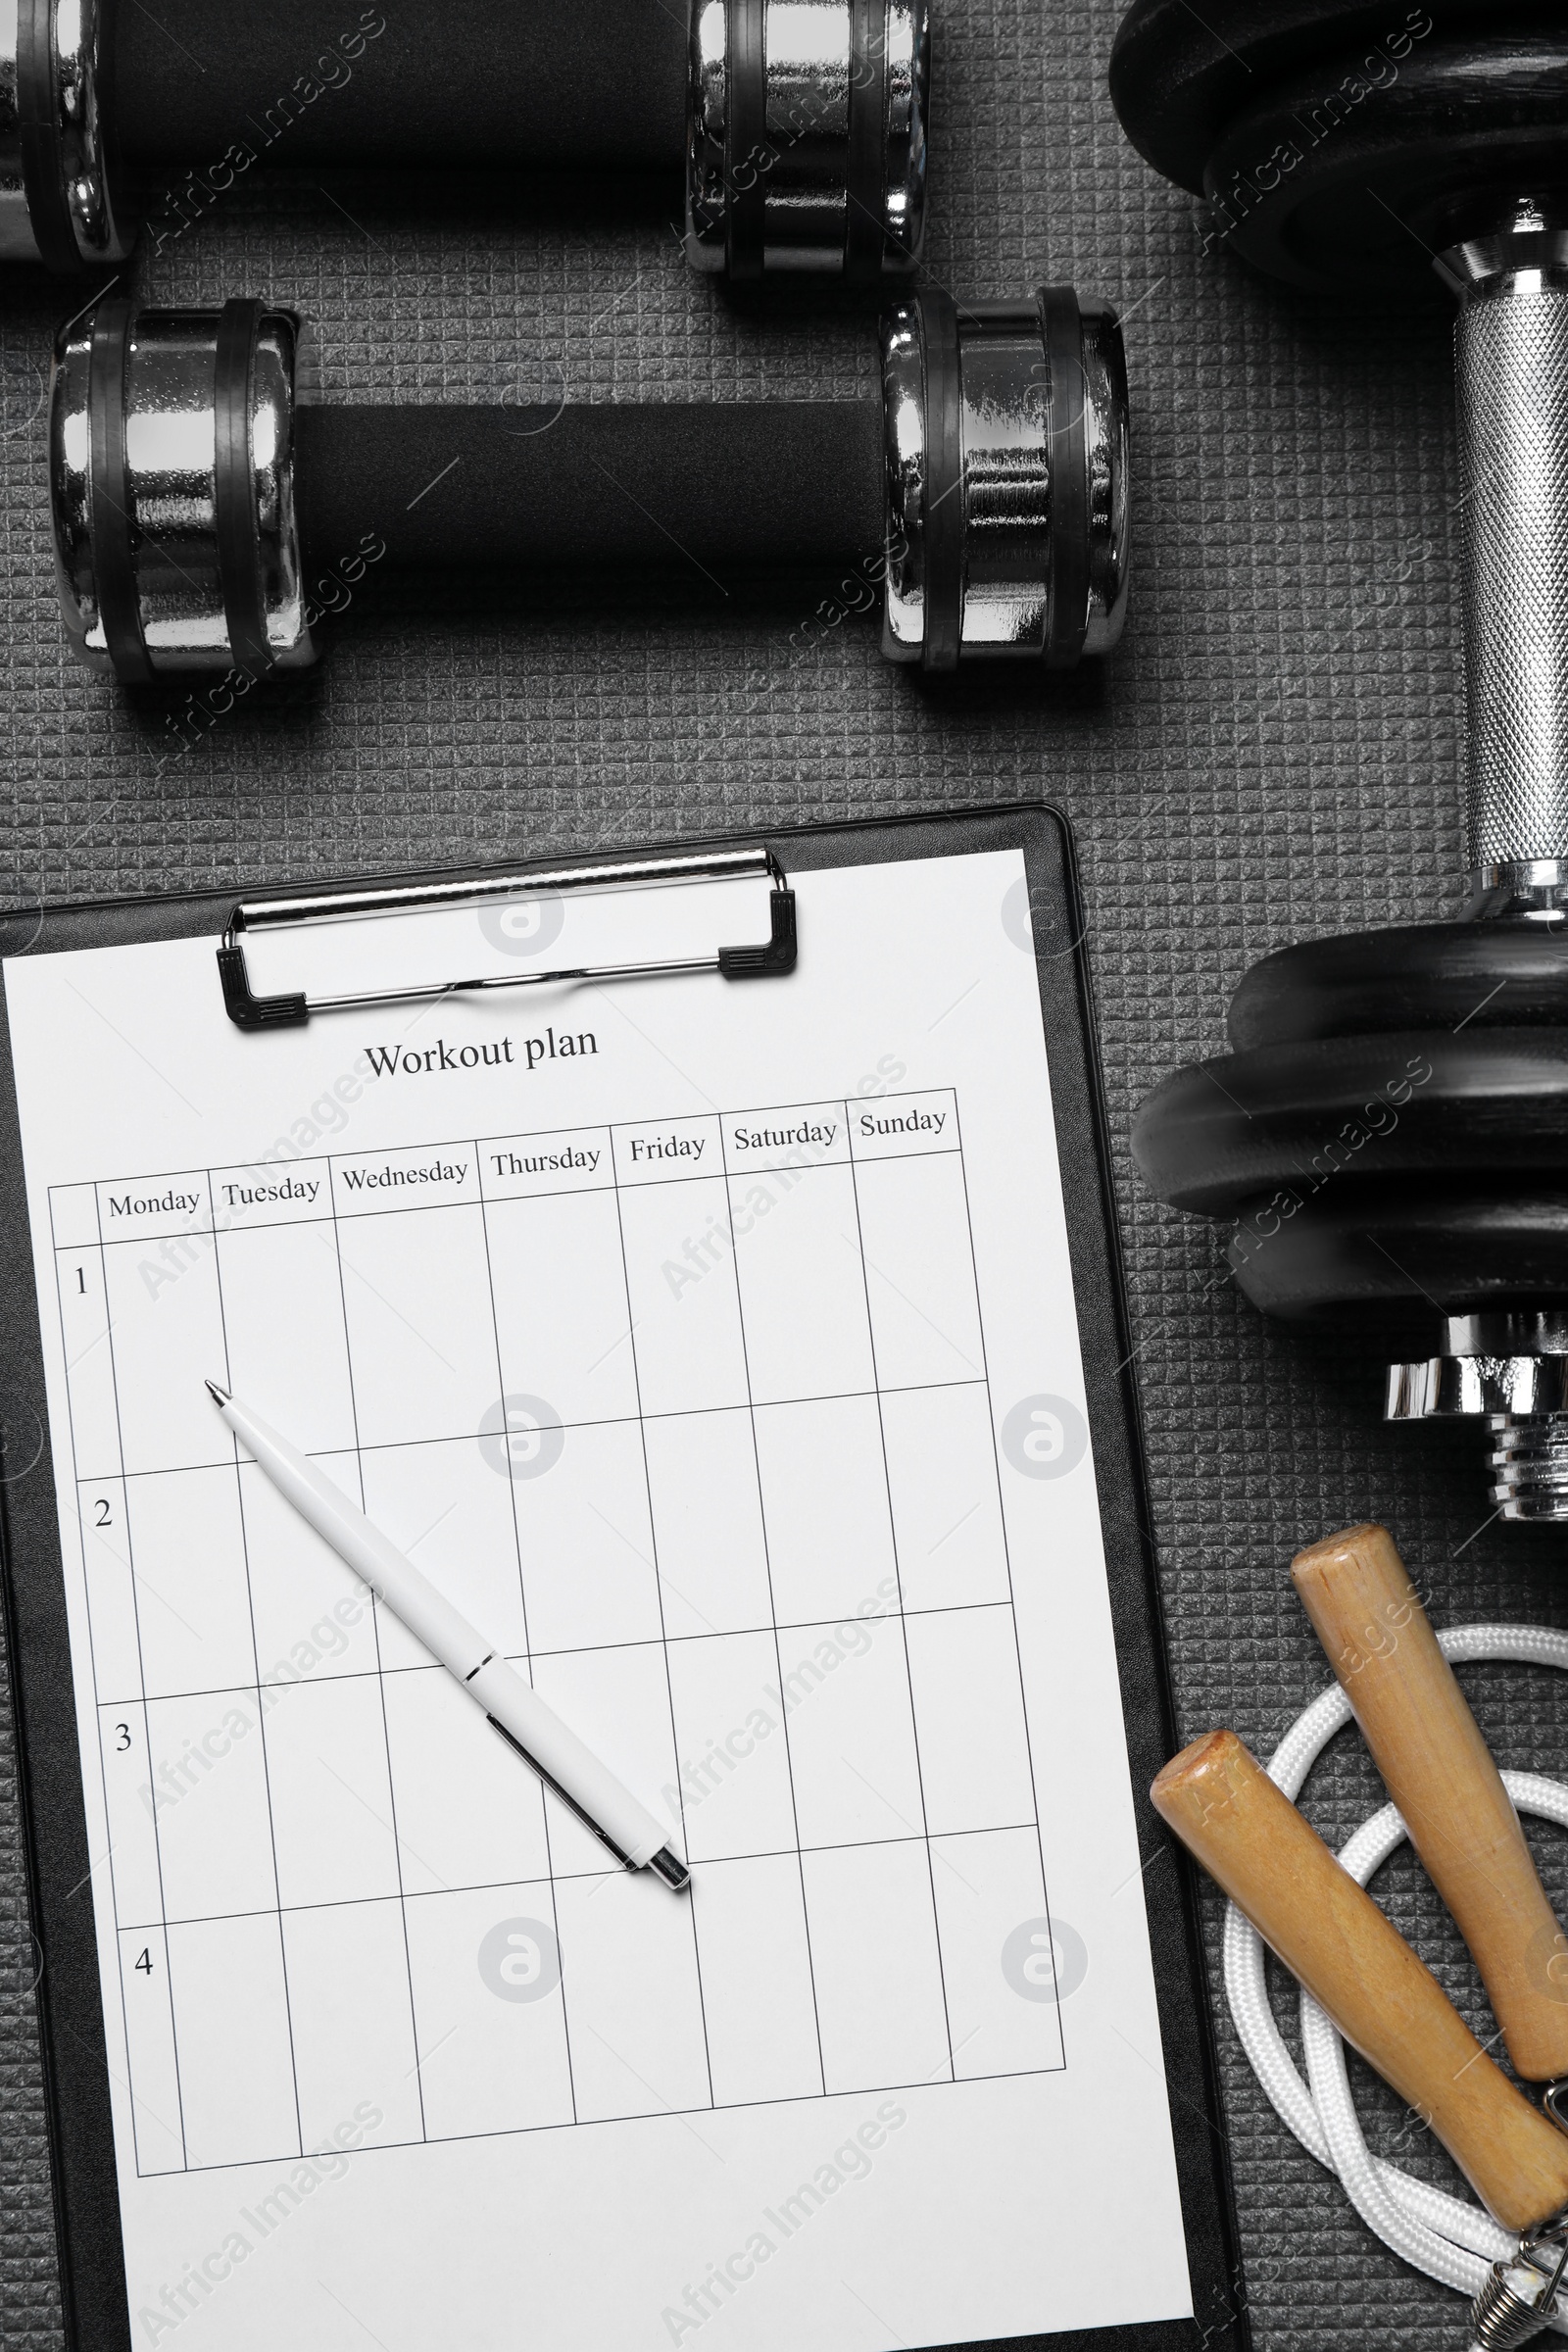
{"type": "Point", "coordinates": [713, 1344]}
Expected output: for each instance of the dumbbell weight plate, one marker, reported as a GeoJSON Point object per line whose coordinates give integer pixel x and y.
{"type": "Point", "coordinates": [1179, 76]}
{"type": "Point", "coordinates": [1412, 1104]}
{"type": "Point", "coordinates": [1466, 1249]}
{"type": "Point", "coordinates": [1447, 977]}
{"type": "Point", "coordinates": [1330, 181]}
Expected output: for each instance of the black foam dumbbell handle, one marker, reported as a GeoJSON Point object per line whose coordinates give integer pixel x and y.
{"type": "Point", "coordinates": [401, 83]}
{"type": "Point", "coordinates": [613, 488]}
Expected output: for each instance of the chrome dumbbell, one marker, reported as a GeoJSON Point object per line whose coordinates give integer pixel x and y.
{"type": "Point", "coordinates": [1388, 1135]}
{"type": "Point", "coordinates": [198, 484]}
{"type": "Point", "coordinates": [801, 130]}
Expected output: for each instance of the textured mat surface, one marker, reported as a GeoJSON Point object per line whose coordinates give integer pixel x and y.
{"type": "Point", "coordinates": [1273, 753]}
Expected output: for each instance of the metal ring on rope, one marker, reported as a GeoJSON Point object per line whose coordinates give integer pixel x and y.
{"type": "Point", "coordinates": [1447, 2237]}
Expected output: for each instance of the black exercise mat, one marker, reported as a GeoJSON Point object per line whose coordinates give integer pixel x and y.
{"type": "Point", "coordinates": [1273, 753]}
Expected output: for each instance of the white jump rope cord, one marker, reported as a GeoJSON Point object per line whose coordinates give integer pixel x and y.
{"type": "Point", "coordinates": [1446, 2237]}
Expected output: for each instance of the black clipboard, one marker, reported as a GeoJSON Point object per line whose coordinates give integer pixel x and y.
{"type": "Point", "coordinates": [70, 2005]}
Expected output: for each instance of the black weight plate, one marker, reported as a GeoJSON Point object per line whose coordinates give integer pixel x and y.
{"type": "Point", "coordinates": [1179, 74]}
{"type": "Point", "coordinates": [1450, 976]}
{"type": "Point", "coordinates": [1378, 1248]}
{"type": "Point", "coordinates": [1330, 182]}
{"type": "Point", "coordinates": [1422, 1102]}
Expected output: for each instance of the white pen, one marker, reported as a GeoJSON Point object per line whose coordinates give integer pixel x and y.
{"type": "Point", "coordinates": [582, 1783]}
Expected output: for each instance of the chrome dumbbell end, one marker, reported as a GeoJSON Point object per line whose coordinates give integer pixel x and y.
{"type": "Point", "coordinates": [171, 481]}
{"type": "Point", "coordinates": [1508, 1372]}
{"type": "Point", "coordinates": [1007, 454]}
{"type": "Point", "coordinates": [58, 205]}
{"type": "Point", "coordinates": [807, 138]}
{"type": "Point", "coordinates": [1534, 889]}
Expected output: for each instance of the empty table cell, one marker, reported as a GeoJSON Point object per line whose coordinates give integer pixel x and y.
{"type": "Point", "coordinates": [231, 2029]}
{"type": "Point", "coordinates": [757, 1995]}
{"type": "Point", "coordinates": [288, 1353]}
{"type": "Point", "coordinates": [845, 1692]}
{"type": "Point", "coordinates": [825, 1507]}
{"type": "Point", "coordinates": [708, 1523]}
{"type": "Point", "coordinates": [167, 1334]}
{"type": "Point", "coordinates": [947, 1509]}
{"type": "Point", "coordinates": [421, 1333]}
{"type": "Point", "coordinates": [736, 1795]}
{"type": "Point", "coordinates": [193, 1612]}
{"type": "Point", "coordinates": [74, 1216]}
{"type": "Point", "coordinates": [634, 2006]}
{"type": "Point", "coordinates": [617, 1701]}
{"type": "Point", "coordinates": [803, 1286]}
{"type": "Point", "coordinates": [332, 1813]}
{"type": "Point", "coordinates": [448, 1506]}
{"type": "Point", "coordinates": [585, 1541]}
{"type": "Point", "coordinates": [314, 1616]}
{"type": "Point", "coordinates": [919, 1268]}
{"type": "Point", "coordinates": [559, 1288]}
{"type": "Point", "coordinates": [208, 1779]}
{"type": "Point", "coordinates": [969, 1719]}
{"type": "Point", "coordinates": [680, 1274]}
{"type": "Point", "coordinates": [351, 2019]}
{"type": "Point", "coordinates": [489, 2011]}
{"type": "Point", "coordinates": [1003, 1984]}
{"type": "Point", "coordinates": [876, 1966]}
{"type": "Point", "coordinates": [469, 1812]}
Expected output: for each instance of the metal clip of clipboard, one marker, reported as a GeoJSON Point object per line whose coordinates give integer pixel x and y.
{"type": "Point", "coordinates": [773, 957]}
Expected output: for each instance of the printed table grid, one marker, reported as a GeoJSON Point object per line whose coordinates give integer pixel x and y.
{"type": "Point", "coordinates": [403, 1671]}
{"type": "Point", "coordinates": [703, 1436]}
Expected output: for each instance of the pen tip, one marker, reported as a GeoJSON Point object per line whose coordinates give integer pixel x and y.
{"type": "Point", "coordinates": [218, 1395]}
{"type": "Point", "coordinates": [668, 1865]}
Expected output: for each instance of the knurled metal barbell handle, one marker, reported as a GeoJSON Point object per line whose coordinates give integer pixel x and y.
{"type": "Point", "coordinates": [1511, 354]}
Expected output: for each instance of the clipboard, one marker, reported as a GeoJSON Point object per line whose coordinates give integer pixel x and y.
{"type": "Point", "coordinates": [70, 2000]}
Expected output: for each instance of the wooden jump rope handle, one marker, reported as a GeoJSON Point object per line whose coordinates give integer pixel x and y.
{"type": "Point", "coordinates": [1439, 1773]}
{"type": "Point", "coordinates": [1331, 1935]}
